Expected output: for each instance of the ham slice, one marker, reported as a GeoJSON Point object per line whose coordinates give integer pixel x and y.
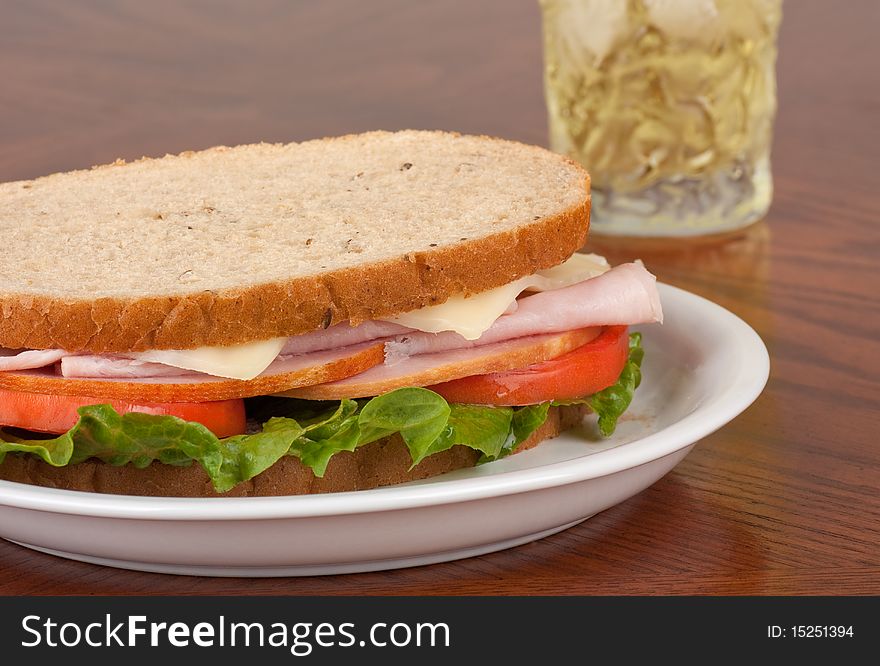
{"type": "Point", "coordinates": [284, 373]}
{"type": "Point", "coordinates": [627, 294]}
{"type": "Point", "coordinates": [428, 369]}
{"type": "Point", "coordinates": [12, 359]}
{"type": "Point", "coordinates": [341, 335]}
{"type": "Point", "coordinates": [88, 365]}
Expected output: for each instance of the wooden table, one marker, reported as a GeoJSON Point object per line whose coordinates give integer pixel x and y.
{"type": "Point", "coordinates": [784, 500]}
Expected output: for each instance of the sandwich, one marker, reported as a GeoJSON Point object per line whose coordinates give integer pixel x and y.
{"type": "Point", "coordinates": [333, 315]}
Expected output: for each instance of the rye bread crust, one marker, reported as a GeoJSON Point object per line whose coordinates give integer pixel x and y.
{"type": "Point", "coordinates": [381, 463]}
{"type": "Point", "coordinates": [218, 317]}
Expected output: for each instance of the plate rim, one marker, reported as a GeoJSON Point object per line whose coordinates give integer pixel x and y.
{"type": "Point", "coordinates": [722, 407]}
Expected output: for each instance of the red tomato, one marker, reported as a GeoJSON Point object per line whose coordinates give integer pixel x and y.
{"type": "Point", "coordinates": [57, 413]}
{"type": "Point", "coordinates": [581, 372]}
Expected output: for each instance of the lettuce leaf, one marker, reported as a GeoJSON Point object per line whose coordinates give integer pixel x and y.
{"type": "Point", "coordinates": [245, 456]}
{"type": "Point", "coordinates": [612, 402]}
{"type": "Point", "coordinates": [484, 429]}
{"type": "Point", "coordinates": [314, 432]}
{"type": "Point", "coordinates": [419, 415]}
{"type": "Point", "coordinates": [116, 439]}
{"type": "Point", "coordinates": [324, 434]}
{"type": "Point", "coordinates": [57, 452]}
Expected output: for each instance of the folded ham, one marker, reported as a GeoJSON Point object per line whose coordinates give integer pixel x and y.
{"type": "Point", "coordinates": [12, 359]}
{"type": "Point", "coordinates": [626, 294]}
{"type": "Point", "coordinates": [341, 335]}
{"type": "Point", "coordinates": [89, 365]}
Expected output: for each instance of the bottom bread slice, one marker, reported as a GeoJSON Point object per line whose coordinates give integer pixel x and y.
{"type": "Point", "coordinates": [380, 463]}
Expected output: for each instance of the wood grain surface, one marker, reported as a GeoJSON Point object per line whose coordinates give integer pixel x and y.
{"type": "Point", "coordinates": [784, 500]}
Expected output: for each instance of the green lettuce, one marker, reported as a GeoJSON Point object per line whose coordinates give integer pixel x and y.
{"type": "Point", "coordinates": [610, 403]}
{"type": "Point", "coordinates": [314, 432]}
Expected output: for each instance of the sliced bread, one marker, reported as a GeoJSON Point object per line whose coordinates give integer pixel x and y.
{"type": "Point", "coordinates": [230, 245]}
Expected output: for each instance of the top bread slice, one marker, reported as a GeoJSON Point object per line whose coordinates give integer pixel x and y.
{"type": "Point", "coordinates": [230, 245]}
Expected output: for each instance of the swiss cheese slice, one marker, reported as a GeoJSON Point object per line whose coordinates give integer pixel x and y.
{"type": "Point", "coordinates": [471, 316]}
{"type": "Point", "coordinates": [235, 362]}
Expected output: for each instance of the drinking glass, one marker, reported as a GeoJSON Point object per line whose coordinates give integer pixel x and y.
{"type": "Point", "coordinates": [669, 104]}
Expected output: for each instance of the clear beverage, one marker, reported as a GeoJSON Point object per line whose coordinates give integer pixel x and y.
{"type": "Point", "coordinates": [669, 104]}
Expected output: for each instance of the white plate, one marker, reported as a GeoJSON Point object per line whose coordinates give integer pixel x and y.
{"type": "Point", "coordinates": [702, 368]}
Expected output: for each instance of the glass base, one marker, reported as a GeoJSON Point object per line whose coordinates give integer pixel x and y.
{"type": "Point", "coordinates": [715, 204]}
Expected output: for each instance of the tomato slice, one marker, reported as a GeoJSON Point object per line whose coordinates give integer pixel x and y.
{"type": "Point", "coordinates": [57, 413]}
{"type": "Point", "coordinates": [581, 372]}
